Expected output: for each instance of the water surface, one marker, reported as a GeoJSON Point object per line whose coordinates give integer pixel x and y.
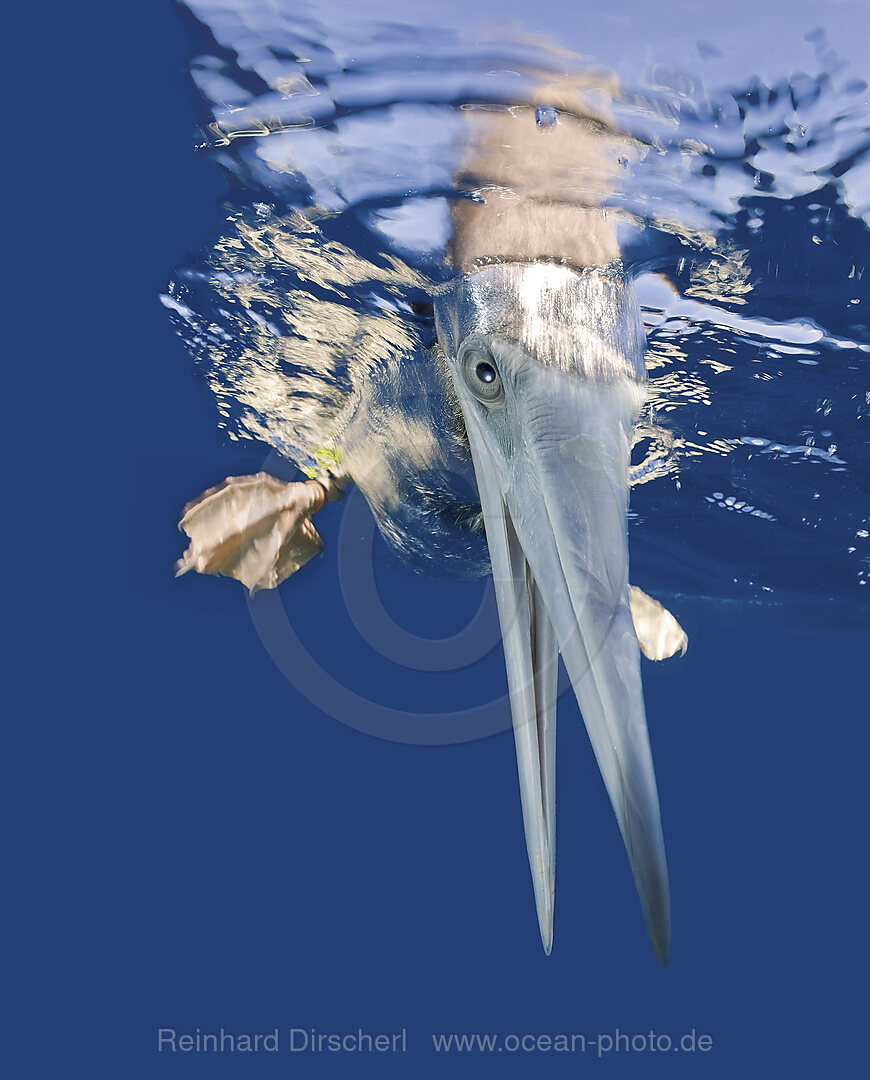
{"type": "Point", "coordinates": [743, 202]}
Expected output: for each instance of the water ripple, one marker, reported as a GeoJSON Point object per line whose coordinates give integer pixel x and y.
{"type": "Point", "coordinates": [742, 206]}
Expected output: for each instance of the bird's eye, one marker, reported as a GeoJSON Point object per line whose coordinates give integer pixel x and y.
{"type": "Point", "coordinates": [481, 374]}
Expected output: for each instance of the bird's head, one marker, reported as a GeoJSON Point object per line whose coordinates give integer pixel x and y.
{"type": "Point", "coordinates": [547, 365]}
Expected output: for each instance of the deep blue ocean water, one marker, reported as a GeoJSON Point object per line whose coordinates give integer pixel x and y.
{"type": "Point", "coordinates": [196, 845]}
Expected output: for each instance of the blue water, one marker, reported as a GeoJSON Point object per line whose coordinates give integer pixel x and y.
{"type": "Point", "coordinates": [194, 843]}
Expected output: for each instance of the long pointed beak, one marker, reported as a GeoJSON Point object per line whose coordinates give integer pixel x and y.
{"type": "Point", "coordinates": [554, 492]}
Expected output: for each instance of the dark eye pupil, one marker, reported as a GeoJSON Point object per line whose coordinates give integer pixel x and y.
{"type": "Point", "coordinates": [480, 373]}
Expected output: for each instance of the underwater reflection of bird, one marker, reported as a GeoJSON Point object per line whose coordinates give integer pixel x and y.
{"type": "Point", "coordinates": [524, 411]}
